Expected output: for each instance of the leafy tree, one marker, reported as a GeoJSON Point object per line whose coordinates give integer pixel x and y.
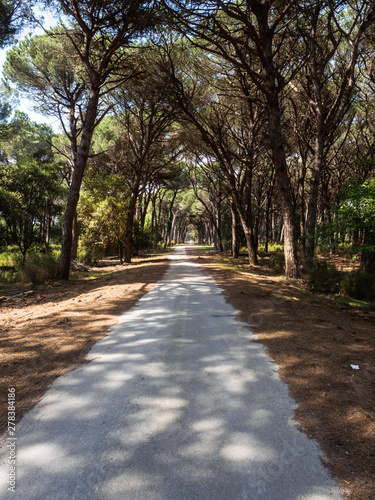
{"type": "Point", "coordinates": [357, 213]}
{"type": "Point", "coordinates": [14, 14]}
{"type": "Point", "coordinates": [102, 212]}
{"type": "Point", "coordinates": [100, 34]}
{"type": "Point", "coordinates": [333, 39]}
{"type": "Point", "coordinates": [254, 38]}
{"type": "Point", "coordinates": [30, 197]}
{"type": "Point", "coordinates": [223, 130]}
{"type": "Point", "coordinates": [146, 142]}
{"type": "Point", "coordinates": [26, 139]}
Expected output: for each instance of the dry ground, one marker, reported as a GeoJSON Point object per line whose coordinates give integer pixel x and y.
{"type": "Point", "coordinates": [48, 332]}
{"type": "Point", "coordinates": [313, 339]}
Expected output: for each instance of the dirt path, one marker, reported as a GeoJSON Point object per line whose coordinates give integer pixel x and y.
{"type": "Point", "coordinates": [48, 332]}
{"type": "Point", "coordinates": [314, 341]}
{"type": "Point", "coordinates": [177, 402]}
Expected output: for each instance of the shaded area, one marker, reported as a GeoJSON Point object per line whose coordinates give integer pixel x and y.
{"type": "Point", "coordinates": [314, 341]}
{"type": "Point", "coordinates": [46, 333]}
{"type": "Point", "coordinates": [177, 402]}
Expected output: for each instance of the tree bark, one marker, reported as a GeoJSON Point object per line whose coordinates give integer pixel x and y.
{"type": "Point", "coordinates": [281, 170]}
{"type": "Point", "coordinates": [312, 209]}
{"type": "Point", "coordinates": [171, 232]}
{"type": "Point", "coordinates": [128, 248]}
{"type": "Point", "coordinates": [235, 245]}
{"type": "Point", "coordinates": [75, 237]}
{"type": "Point", "coordinates": [75, 186]}
{"type": "Point", "coordinates": [249, 236]}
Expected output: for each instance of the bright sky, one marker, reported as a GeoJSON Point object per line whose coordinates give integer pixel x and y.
{"type": "Point", "coordinates": [26, 105]}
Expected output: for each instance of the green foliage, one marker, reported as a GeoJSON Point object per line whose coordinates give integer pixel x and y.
{"type": "Point", "coordinates": [357, 209]}
{"type": "Point", "coordinates": [5, 109]}
{"type": "Point", "coordinates": [356, 214]}
{"type": "Point", "coordinates": [13, 15]}
{"type": "Point", "coordinates": [47, 69]}
{"type": "Point", "coordinates": [274, 258]}
{"type": "Point", "coordinates": [39, 268]}
{"type": "Point", "coordinates": [322, 277]}
{"type": "Point", "coordinates": [359, 285]}
{"type": "Point", "coordinates": [102, 214]}
{"type": "Point", "coordinates": [26, 139]}
{"type": "Point", "coordinates": [30, 193]}
{"type": "Point", "coordinates": [11, 256]}
{"type": "Point", "coordinates": [277, 261]}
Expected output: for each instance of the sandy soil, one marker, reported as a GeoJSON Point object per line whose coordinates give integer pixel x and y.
{"type": "Point", "coordinates": [47, 331]}
{"type": "Point", "coordinates": [314, 340]}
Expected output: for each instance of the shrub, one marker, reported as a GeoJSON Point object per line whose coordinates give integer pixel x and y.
{"type": "Point", "coordinates": [39, 268]}
{"type": "Point", "coordinates": [359, 285]}
{"type": "Point", "coordinates": [321, 276]}
{"type": "Point", "coordinates": [10, 276]}
{"type": "Point", "coordinates": [10, 261]}
{"type": "Point", "coordinates": [90, 256]}
{"type": "Point", "coordinates": [277, 261]}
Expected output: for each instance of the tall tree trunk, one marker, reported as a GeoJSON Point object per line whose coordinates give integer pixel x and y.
{"type": "Point", "coordinates": [218, 238]}
{"type": "Point", "coordinates": [235, 245]}
{"type": "Point", "coordinates": [287, 207]}
{"type": "Point", "coordinates": [249, 236]}
{"type": "Point", "coordinates": [169, 221]}
{"type": "Point", "coordinates": [136, 228]}
{"type": "Point", "coordinates": [75, 237]}
{"type": "Point", "coordinates": [368, 254]}
{"type": "Point", "coordinates": [267, 225]}
{"type": "Point", "coordinates": [128, 249]}
{"type": "Point", "coordinates": [312, 210]}
{"type": "Point", "coordinates": [302, 223]}
{"type": "Point", "coordinates": [172, 230]}
{"type": "Point", "coordinates": [120, 251]}
{"type": "Point", "coordinates": [156, 235]}
{"type": "Point", "coordinates": [75, 186]}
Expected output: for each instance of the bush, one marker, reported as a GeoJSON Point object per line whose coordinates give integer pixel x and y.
{"type": "Point", "coordinates": [11, 257]}
{"type": "Point", "coordinates": [277, 261]}
{"type": "Point", "coordinates": [10, 276]}
{"type": "Point", "coordinates": [10, 261]}
{"type": "Point", "coordinates": [39, 268]}
{"type": "Point", "coordinates": [321, 276]}
{"type": "Point", "coordinates": [90, 256]}
{"type": "Point", "coordinates": [359, 285]}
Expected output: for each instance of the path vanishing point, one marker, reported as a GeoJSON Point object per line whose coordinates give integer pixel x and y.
{"type": "Point", "coordinates": [177, 403]}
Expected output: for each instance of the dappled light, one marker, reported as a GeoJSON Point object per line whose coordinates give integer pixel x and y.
{"type": "Point", "coordinates": [176, 402]}
{"type": "Point", "coordinates": [49, 331]}
{"type": "Point", "coordinates": [315, 341]}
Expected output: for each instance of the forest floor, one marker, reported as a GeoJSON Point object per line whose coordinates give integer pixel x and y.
{"type": "Point", "coordinates": [314, 340]}
{"type": "Point", "coordinates": [47, 330]}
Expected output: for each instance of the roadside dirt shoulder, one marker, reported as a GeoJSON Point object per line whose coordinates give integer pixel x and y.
{"type": "Point", "coordinates": [314, 342]}
{"type": "Point", "coordinates": [48, 332]}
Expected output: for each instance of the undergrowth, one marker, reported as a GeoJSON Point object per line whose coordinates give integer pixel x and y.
{"type": "Point", "coordinates": [37, 268]}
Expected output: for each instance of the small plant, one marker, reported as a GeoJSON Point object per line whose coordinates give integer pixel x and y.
{"type": "Point", "coordinates": [359, 285]}
{"type": "Point", "coordinates": [10, 276]}
{"type": "Point", "coordinates": [321, 276]}
{"type": "Point", "coordinates": [39, 268]}
{"type": "Point", "coordinates": [277, 261]}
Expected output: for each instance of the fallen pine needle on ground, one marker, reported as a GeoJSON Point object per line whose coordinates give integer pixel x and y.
{"type": "Point", "coordinates": [48, 332]}
{"type": "Point", "coordinates": [314, 341]}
